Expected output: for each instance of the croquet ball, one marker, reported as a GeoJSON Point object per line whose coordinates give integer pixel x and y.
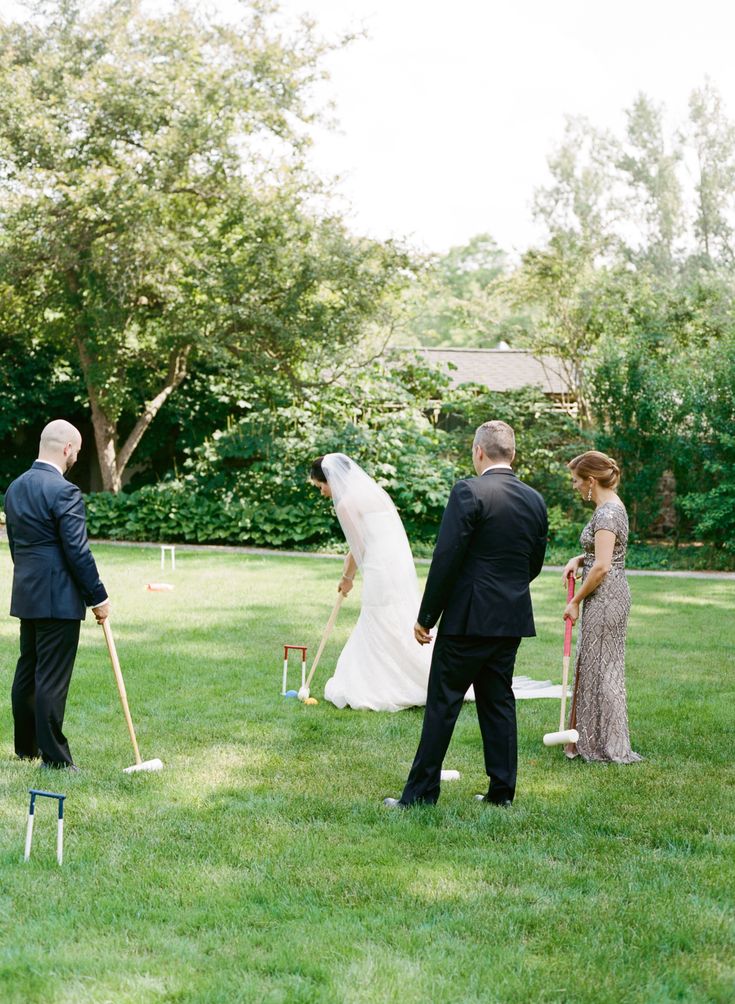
{"type": "Point", "coordinates": [311, 700]}
{"type": "Point", "coordinates": [291, 693]}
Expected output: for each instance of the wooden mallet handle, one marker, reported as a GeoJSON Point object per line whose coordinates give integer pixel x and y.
{"type": "Point", "coordinates": [120, 685]}
{"type": "Point", "coordinates": [325, 637]}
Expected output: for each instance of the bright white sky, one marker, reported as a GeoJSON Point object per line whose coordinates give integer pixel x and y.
{"type": "Point", "coordinates": [448, 110]}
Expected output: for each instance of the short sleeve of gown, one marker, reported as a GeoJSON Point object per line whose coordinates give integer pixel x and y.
{"type": "Point", "coordinates": [607, 518]}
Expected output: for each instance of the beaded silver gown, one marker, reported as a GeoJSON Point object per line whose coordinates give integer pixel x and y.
{"type": "Point", "coordinates": [599, 707]}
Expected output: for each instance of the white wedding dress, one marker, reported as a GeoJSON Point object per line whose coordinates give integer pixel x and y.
{"type": "Point", "coordinates": [382, 667]}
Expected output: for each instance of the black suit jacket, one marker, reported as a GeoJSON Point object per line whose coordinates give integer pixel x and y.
{"type": "Point", "coordinates": [54, 573]}
{"type": "Point", "coordinates": [491, 544]}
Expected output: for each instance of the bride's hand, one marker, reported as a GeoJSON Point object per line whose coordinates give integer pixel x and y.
{"type": "Point", "coordinates": [345, 585]}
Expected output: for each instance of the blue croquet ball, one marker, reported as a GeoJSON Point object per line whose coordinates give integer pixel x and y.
{"type": "Point", "coordinates": [291, 693]}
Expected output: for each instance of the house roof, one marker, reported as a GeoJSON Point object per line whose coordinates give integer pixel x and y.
{"type": "Point", "coordinates": [501, 369]}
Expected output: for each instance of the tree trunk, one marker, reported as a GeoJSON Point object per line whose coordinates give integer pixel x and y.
{"type": "Point", "coordinates": [111, 460]}
{"type": "Point", "coordinates": [105, 430]}
{"type": "Point", "coordinates": [105, 437]}
{"type": "Point", "coordinates": [175, 376]}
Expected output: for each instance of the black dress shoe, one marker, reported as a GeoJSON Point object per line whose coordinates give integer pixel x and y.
{"type": "Point", "coordinates": [504, 803]}
{"type": "Point", "coordinates": [72, 767]}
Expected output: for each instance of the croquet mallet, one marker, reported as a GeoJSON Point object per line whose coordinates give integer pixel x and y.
{"type": "Point", "coordinates": [564, 736]}
{"type": "Point", "coordinates": [139, 763]}
{"type": "Point", "coordinates": [304, 692]}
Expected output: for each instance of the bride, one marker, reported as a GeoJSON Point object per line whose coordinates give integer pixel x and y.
{"type": "Point", "coordinates": [381, 668]}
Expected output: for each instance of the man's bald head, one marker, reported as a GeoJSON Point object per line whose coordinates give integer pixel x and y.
{"type": "Point", "coordinates": [60, 444]}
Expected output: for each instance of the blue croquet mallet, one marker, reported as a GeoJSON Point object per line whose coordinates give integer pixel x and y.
{"type": "Point", "coordinates": [34, 792]}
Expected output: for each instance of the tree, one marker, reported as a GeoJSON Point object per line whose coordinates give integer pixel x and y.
{"type": "Point", "coordinates": [710, 502]}
{"type": "Point", "coordinates": [656, 192]}
{"type": "Point", "coordinates": [460, 299]}
{"type": "Point", "coordinates": [154, 210]}
{"type": "Point", "coordinates": [556, 281]}
{"type": "Point", "coordinates": [584, 200]}
{"type": "Point", "coordinates": [713, 137]}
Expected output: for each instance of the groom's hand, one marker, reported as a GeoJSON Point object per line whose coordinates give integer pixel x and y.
{"type": "Point", "coordinates": [421, 634]}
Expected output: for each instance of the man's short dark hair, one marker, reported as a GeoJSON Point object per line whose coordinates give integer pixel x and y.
{"type": "Point", "coordinates": [497, 439]}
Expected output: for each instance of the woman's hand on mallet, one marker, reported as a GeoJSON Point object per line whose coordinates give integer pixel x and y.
{"type": "Point", "coordinates": [571, 611]}
{"type": "Point", "coordinates": [345, 585]}
{"type": "Point", "coordinates": [571, 568]}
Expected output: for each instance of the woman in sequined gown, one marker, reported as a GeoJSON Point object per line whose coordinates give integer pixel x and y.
{"type": "Point", "coordinates": [599, 707]}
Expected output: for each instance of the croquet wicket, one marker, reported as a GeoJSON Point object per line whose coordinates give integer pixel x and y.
{"type": "Point", "coordinates": [34, 793]}
{"type": "Point", "coordinates": [286, 650]}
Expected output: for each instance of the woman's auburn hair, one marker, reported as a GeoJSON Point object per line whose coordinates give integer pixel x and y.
{"type": "Point", "coordinates": [599, 466]}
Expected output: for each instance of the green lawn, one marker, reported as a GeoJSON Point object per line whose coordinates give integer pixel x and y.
{"type": "Point", "coordinates": [261, 866]}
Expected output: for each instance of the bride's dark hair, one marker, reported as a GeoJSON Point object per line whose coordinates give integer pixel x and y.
{"type": "Point", "coordinates": [316, 473]}
{"type": "Point", "coordinates": [339, 462]}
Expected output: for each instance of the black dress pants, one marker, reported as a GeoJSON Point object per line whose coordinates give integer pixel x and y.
{"type": "Point", "coordinates": [48, 648]}
{"type": "Point", "coordinates": [457, 662]}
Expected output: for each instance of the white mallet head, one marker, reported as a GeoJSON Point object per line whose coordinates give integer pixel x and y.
{"type": "Point", "coordinates": [303, 693]}
{"type": "Point", "coordinates": [561, 738]}
{"type": "Point", "coordinates": [150, 765]}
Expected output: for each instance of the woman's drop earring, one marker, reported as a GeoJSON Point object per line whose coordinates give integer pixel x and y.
{"type": "Point", "coordinates": [589, 494]}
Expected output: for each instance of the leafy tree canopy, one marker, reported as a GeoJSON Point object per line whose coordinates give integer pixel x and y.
{"type": "Point", "coordinates": [154, 209]}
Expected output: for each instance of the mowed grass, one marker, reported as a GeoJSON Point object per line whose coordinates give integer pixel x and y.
{"type": "Point", "coordinates": [261, 866]}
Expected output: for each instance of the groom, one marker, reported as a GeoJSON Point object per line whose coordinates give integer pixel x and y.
{"type": "Point", "coordinates": [490, 546]}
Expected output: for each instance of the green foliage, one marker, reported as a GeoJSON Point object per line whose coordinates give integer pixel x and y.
{"type": "Point", "coordinates": [176, 511]}
{"type": "Point", "coordinates": [546, 438]}
{"type": "Point", "coordinates": [637, 410]}
{"type": "Point", "coordinates": [460, 299]}
{"type": "Point", "coordinates": [713, 512]}
{"type": "Point", "coordinates": [555, 281]}
{"type": "Point", "coordinates": [564, 531]}
{"type": "Point", "coordinates": [711, 503]}
{"type": "Point", "coordinates": [653, 556]}
{"type": "Point", "coordinates": [34, 384]}
{"type": "Point", "coordinates": [648, 355]}
{"type": "Point", "coordinates": [650, 168]}
{"type": "Point", "coordinates": [155, 213]}
{"type": "Point", "coordinates": [248, 482]}
{"type": "Point", "coordinates": [662, 388]}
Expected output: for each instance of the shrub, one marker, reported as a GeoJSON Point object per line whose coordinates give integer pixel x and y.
{"type": "Point", "coordinates": [248, 482]}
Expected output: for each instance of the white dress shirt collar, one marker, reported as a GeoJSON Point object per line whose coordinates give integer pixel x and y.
{"type": "Point", "coordinates": [51, 464]}
{"type": "Point", "coordinates": [493, 467]}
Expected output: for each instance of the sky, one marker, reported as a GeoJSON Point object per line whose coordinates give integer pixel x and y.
{"type": "Point", "coordinates": [448, 110]}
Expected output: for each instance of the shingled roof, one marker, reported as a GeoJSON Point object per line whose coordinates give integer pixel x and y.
{"type": "Point", "coordinates": [501, 369]}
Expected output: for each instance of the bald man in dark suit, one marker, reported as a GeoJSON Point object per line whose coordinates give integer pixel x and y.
{"type": "Point", "coordinates": [55, 579]}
